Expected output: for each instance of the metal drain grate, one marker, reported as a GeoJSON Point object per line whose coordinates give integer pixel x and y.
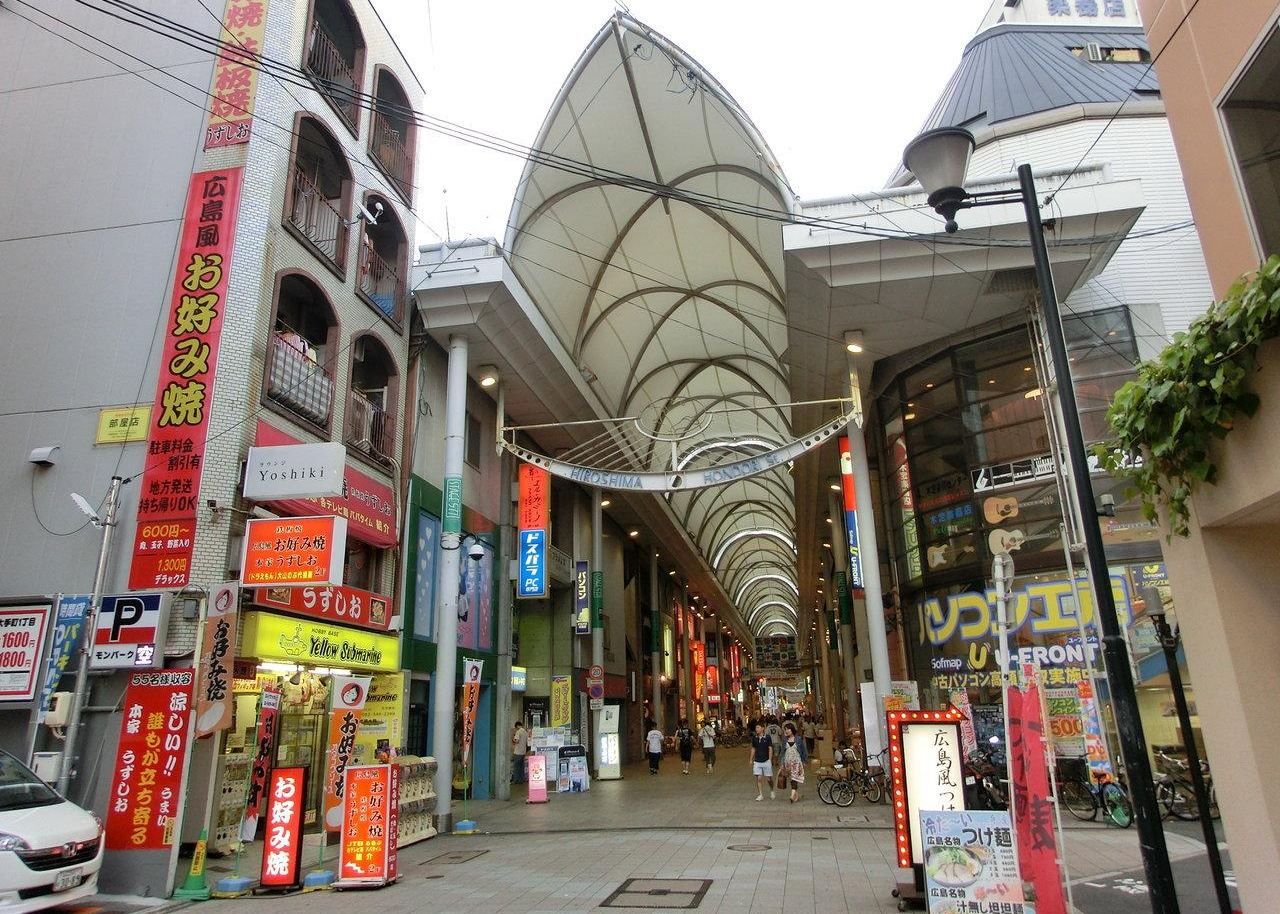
{"type": "Point", "coordinates": [750, 848]}
{"type": "Point", "coordinates": [665, 894]}
{"type": "Point", "coordinates": [453, 857]}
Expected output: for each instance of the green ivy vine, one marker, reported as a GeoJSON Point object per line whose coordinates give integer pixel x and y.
{"type": "Point", "coordinates": [1189, 396]}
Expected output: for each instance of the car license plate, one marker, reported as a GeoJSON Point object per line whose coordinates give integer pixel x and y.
{"type": "Point", "coordinates": [68, 879]}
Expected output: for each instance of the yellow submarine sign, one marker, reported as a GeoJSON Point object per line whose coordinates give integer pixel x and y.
{"type": "Point", "coordinates": [269, 636]}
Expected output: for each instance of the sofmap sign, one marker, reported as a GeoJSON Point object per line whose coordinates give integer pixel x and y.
{"type": "Point", "coordinates": [294, 471]}
{"type": "Point", "coordinates": [268, 636]}
{"type": "Point", "coordinates": [127, 630]}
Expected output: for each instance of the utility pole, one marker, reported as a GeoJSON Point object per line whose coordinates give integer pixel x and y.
{"type": "Point", "coordinates": [506, 548]}
{"type": "Point", "coordinates": [108, 524]}
{"type": "Point", "coordinates": [655, 639]}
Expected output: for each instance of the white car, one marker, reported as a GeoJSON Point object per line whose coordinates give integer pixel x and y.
{"type": "Point", "coordinates": [50, 848]}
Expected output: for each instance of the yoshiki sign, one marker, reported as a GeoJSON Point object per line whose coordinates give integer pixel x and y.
{"type": "Point", "coordinates": [294, 471]}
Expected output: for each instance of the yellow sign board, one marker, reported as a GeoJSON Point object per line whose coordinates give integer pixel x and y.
{"type": "Point", "coordinates": [561, 701]}
{"type": "Point", "coordinates": [269, 636]}
{"type": "Point", "coordinates": [383, 716]}
{"type": "Point", "coordinates": [121, 424]}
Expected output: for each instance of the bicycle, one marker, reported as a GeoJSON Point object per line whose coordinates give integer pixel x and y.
{"type": "Point", "coordinates": [1084, 799]}
{"type": "Point", "coordinates": [842, 791]}
{"type": "Point", "coordinates": [1177, 794]}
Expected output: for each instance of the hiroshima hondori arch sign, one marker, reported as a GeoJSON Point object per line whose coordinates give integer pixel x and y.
{"type": "Point", "coordinates": [678, 479]}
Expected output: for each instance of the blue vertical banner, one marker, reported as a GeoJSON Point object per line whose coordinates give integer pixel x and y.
{"type": "Point", "coordinates": [581, 599]}
{"type": "Point", "coordinates": [532, 581]}
{"type": "Point", "coordinates": [533, 521]}
{"type": "Point", "coordinates": [68, 629]}
{"type": "Point", "coordinates": [850, 516]}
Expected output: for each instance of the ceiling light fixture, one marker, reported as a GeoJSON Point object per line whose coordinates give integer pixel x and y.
{"type": "Point", "coordinates": [604, 503]}
{"type": "Point", "coordinates": [633, 533]}
{"type": "Point", "coordinates": [854, 342]}
{"type": "Point", "coordinates": [487, 375]}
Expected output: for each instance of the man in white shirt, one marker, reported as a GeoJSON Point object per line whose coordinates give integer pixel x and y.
{"type": "Point", "coordinates": [519, 749]}
{"type": "Point", "coordinates": [653, 746]}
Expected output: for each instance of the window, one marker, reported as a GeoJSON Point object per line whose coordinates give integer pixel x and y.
{"type": "Point", "coordinates": [334, 57]}
{"type": "Point", "coordinates": [361, 569]}
{"type": "Point", "coordinates": [1252, 114]}
{"type": "Point", "coordinates": [317, 199]}
{"type": "Point", "coordinates": [371, 410]}
{"type": "Point", "coordinates": [299, 377]}
{"type": "Point", "coordinates": [383, 254]}
{"type": "Point", "coordinates": [471, 446]}
{"type": "Point", "coordinates": [1098, 54]}
{"type": "Point", "coordinates": [391, 136]}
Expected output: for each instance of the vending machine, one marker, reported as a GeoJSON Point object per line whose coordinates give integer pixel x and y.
{"type": "Point", "coordinates": [609, 747]}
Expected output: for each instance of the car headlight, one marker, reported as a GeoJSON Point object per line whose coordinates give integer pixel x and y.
{"type": "Point", "coordinates": [97, 818]}
{"type": "Point", "coordinates": [12, 843]}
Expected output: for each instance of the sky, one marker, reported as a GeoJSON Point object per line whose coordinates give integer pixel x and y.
{"type": "Point", "coordinates": [836, 87]}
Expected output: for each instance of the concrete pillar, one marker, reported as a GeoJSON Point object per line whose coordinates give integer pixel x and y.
{"type": "Point", "coordinates": [840, 587]}
{"type": "Point", "coordinates": [878, 645]}
{"type": "Point", "coordinates": [502, 722]}
{"type": "Point", "coordinates": [597, 579]}
{"type": "Point", "coordinates": [445, 679]}
{"type": "Point", "coordinates": [655, 641]}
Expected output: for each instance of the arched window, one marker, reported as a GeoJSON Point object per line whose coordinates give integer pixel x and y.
{"type": "Point", "coordinates": [319, 192]}
{"type": "Point", "coordinates": [371, 405]}
{"type": "Point", "coordinates": [391, 133]}
{"type": "Point", "coordinates": [300, 350]}
{"type": "Point", "coordinates": [334, 57]}
{"type": "Point", "coordinates": [384, 253]}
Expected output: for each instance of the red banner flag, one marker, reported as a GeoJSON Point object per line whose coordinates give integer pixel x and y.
{"type": "Point", "coordinates": [1033, 809]}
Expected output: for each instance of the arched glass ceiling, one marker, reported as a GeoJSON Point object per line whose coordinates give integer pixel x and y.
{"type": "Point", "coordinates": [675, 305]}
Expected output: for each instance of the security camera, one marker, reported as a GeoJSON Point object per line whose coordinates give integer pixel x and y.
{"type": "Point", "coordinates": [475, 552]}
{"type": "Point", "coordinates": [370, 217]}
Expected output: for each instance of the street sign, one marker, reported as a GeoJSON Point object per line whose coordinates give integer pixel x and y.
{"type": "Point", "coordinates": [127, 631]}
{"type": "Point", "coordinates": [595, 688]}
{"type": "Point", "coordinates": [595, 672]}
{"type": "Point", "coordinates": [596, 704]}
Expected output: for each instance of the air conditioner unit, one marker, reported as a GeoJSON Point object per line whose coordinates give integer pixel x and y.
{"type": "Point", "coordinates": [1093, 51]}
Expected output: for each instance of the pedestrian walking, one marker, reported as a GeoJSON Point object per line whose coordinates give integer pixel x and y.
{"type": "Point", "coordinates": [708, 734]}
{"type": "Point", "coordinates": [684, 741]}
{"type": "Point", "coordinates": [794, 758]}
{"type": "Point", "coordinates": [653, 746]}
{"type": "Point", "coordinates": [774, 731]}
{"type": "Point", "coordinates": [761, 761]}
{"type": "Point", "coordinates": [810, 736]}
{"type": "Point", "coordinates": [519, 749]}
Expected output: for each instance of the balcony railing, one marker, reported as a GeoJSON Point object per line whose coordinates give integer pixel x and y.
{"type": "Point", "coordinates": [381, 283]}
{"type": "Point", "coordinates": [370, 428]}
{"type": "Point", "coordinates": [316, 217]}
{"type": "Point", "coordinates": [334, 73]}
{"type": "Point", "coordinates": [391, 151]}
{"type": "Point", "coordinates": [295, 381]}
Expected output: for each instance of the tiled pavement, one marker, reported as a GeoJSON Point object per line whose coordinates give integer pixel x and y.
{"type": "Point", "coordinates": [574, 852]}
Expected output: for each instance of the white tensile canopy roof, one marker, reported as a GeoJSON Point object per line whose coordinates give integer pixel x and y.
{"type": "Point", "coordinates": [673, 307]}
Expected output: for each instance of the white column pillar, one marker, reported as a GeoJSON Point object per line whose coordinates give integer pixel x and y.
{"type": "Point", "coordinates": [840, 554]}
{"type": "Point", "coordinates": [655, 640]}
{"type": "Point", "coordinates": [597, 579]}
{"type": "Point", "coordinates": [445, 679]}
{"type": "Point", "coordinates": [502, 722]}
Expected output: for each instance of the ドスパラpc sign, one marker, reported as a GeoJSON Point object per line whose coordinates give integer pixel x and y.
{"type": "Point", "coordinates": [145, 799]}
{"type": "Point", "coordinates": [534, 523]}
{"type": "Point", "coordinates": [294, 471]}
{"type": "Point", "coordinates": [127, 629]}
{"type": "Point", "coordinates": [293, 550]}
{"type": "Point", "coordinates": [22, 631]}
{"type": "Point", "coordinates": [217, 648]}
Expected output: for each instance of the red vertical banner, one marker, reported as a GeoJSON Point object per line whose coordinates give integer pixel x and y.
{"type": "Point", "coordinates": [264, 749]}
{"type": "Point", "coordinates": [154, 734]}
{"type": "Point", "coordinates": [1033, 809]}
{"type": "Point", "coordinates": [282, 843]}
{"type": "Point", "coordinates": [347, 695]}
{"type": "Point", "coordinates": [170, 493]}
{"type": "Point", "coordinates": [367, 854]}
{"type": "Point", "coordinates": [470, 703]}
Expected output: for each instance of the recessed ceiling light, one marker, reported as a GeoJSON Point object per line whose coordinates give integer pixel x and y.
{"type": "Point", "coordinates": [929, 386]}
{"type": "Point", "coordinates": [909, 416]}
{"type": "Point", "coordinates": [487, 375]}
{"type": "Point", "coordinates": [604, 503]}
{"type": "Point", "coordinates": [633, 533]}
{"type": "Point", "coordinates": [991, 380]}
{"type": "Point", "coordinates": [1026, 367]}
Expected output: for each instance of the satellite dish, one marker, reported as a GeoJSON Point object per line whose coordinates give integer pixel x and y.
{"type": "Point", "coordinates": [87, 508]}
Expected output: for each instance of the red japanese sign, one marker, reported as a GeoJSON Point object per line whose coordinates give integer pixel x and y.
{"type": "Point", "coordinates": [282, 839]}
{"type": "Point", "coordinates": [344, 605]}
{"type": "Point", "coordinates": [293, 550]}
{"type": "Point", "coordinates": [535, 498]}
{"type": "Point", "coordinates": [235, 77]}
{"type": "Point", "coordinates": [146, 793]}
{"type": "Point", "coordinates": [264, 748]}
{"type": "Point", "coordinates": [347, 695]}
{"type": "Point", "coordinates": [367, 854]}
{"type": "Point", "coordinates": [1032, 809]}
{"type": "Point", "coordinates": [368, 505]}
{"type": "Point", "coordinates": [167, 502]}
{"type": "Point", "coordinates": [713, 685]}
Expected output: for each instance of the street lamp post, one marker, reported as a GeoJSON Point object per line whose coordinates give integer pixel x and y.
{"type": "Point", "coordinates": [939, 159]}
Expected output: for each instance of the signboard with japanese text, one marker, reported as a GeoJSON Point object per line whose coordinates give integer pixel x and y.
{"type": "Point", "coordinates": [1095, 743]}
{"type": "Point", "coordinates": [1066, 725]}
{"type": "Point", "coordinates": [1033, 806]}
{"type": "Point", "coordinates": [925, 763]}
{"type": "Point", "coordinates": [283, 551]}
{"type": "Point", "coordinates": [281, 866]}
{"type": "Point", "coordinates": [217, 651]}
{"type": "Point", "coordinates": [368, 506]}
{"type": "Point", "coordinates": [127, 630]}
{"type": "Point", "coordinates": [295, 471]}
{"type": "Point", "coordinates": [471, 670]}
{"type": "Point", "coordinates": [235, 73]}
{"type": "Point", "coordinates": [970, 866]}
{"type": "Point", "coordinates": [713, 685]}
{"type": "Point", "coordinates": [68, 629]}
{"type": "Point", "coordinates": [968, 733]}
{"type": "Point", "coordinates": [264, 750]}
{"type": "Point", "coordinates": [537, 765]}
{"type": "Point", "coordinates": [343, 605]}
{"type": "Point", "coordinates": [22, 632]}
{"type": "Point", "coordinates": [347, 695]}
{"type": "Point", "coordinates": [169, 494]}
{"type": "Point", "coordinates": [850, 503]}
{"type": "Point", "coordinates": [906, 504]}
{"type": "Point", "coordinates": [382, 724]}
{"type": "Point", "coordinates": [122, 424]}
{"type": "Point", "coordinates": [581, 598]}
{"type": "Point", "coordinates": [904, 695]}
{"type": "Point", "coordinates": [561, 701]}
{"type": "Point", "coordinates": [698, 651]}
{"type": "Point", "coordinates": [597, 600]}
{"type": "Point", "coordinates": [268, 636]}
{"type": "Point", "coordinates": [534, 525]}
{"type": "Point", "coordinates": [367, 853]}
{"type": "Point", "coordinates": [155, 730]}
